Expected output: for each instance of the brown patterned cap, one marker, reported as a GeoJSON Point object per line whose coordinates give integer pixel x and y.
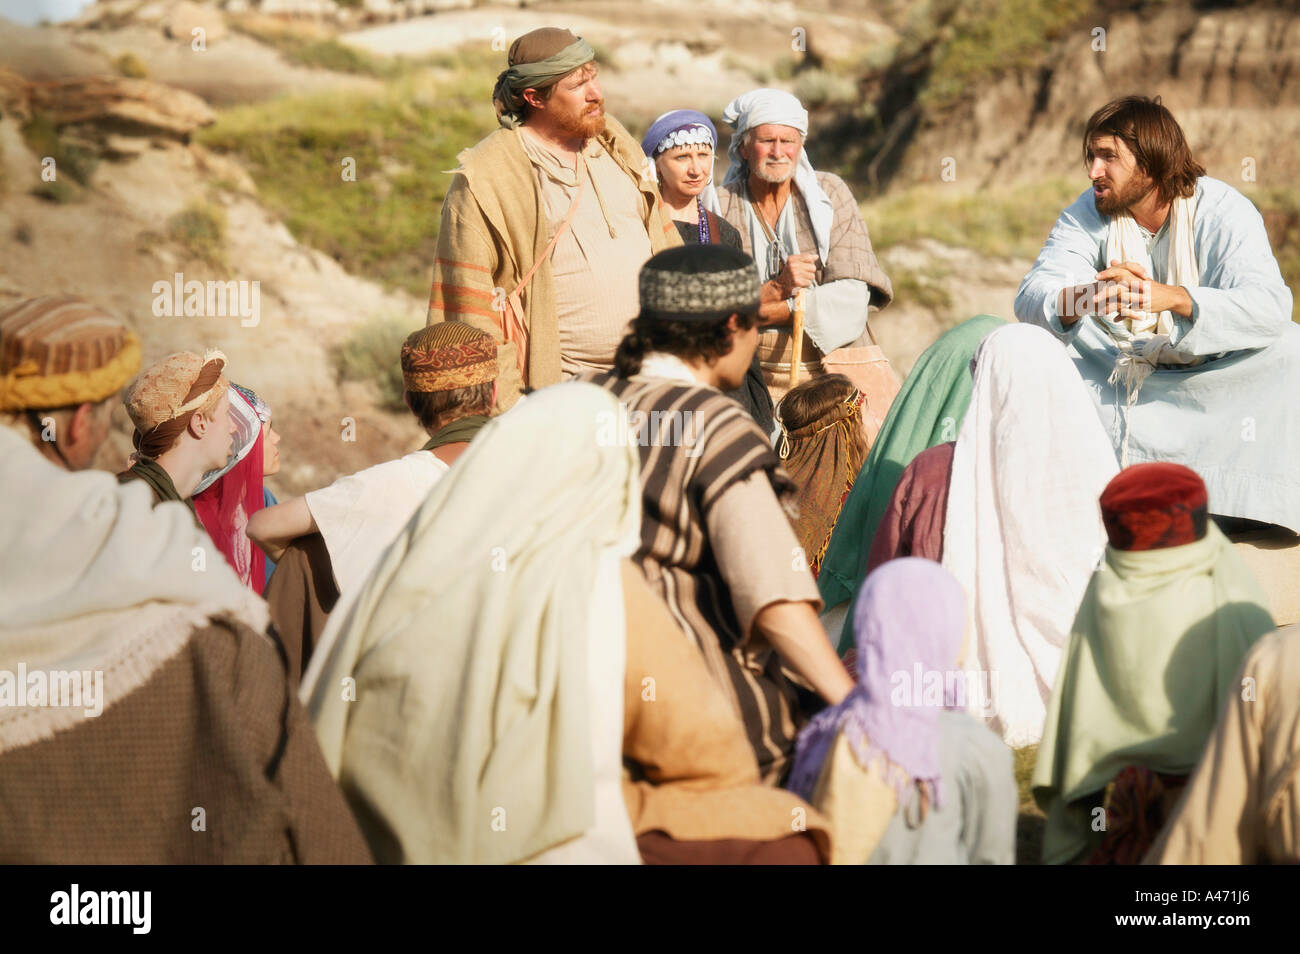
{"type": "Point", "coordinates": [446, 356]}
{"type": "Point", "coordinates": [59, 350]}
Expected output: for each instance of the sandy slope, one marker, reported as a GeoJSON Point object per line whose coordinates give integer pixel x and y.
{"type": "Point", "coordinates": [308, 303]}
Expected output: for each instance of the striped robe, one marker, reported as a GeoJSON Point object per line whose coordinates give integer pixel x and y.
{"type": "Point", "coordinates": [680, 483]}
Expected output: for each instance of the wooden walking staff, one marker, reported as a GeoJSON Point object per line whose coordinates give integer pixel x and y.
{"type": "Point", "coordinates": [796, 348]}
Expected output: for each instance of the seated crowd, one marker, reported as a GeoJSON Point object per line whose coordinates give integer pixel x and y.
{"type": "Point", "coordinates": [638, 600]}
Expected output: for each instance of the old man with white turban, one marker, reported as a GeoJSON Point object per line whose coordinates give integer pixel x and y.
{"type": "Point", "coordinates": [804, 230]}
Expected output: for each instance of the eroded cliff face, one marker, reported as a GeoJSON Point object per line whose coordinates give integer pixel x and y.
{"type": "Point", "coordinates": [1231, 77]}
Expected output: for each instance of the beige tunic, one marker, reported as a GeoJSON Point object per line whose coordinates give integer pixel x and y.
{"type": "Point", "coordinates": [1242, 805]}
{"type": "Point", "coordinates": [596, 262]}
{"type": "Point", "coordinates": [689, 770]}
{"type": "Point", "coordinates": [493, 230]}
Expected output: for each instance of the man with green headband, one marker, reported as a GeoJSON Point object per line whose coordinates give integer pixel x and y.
{"type": "Point", "coordinates": [548, 221]}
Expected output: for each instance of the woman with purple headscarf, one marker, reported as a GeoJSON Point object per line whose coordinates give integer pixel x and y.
{"type": "Point", "coordinates": [680, 145]}
{"type": "Point", "coordinates": [905, 775]}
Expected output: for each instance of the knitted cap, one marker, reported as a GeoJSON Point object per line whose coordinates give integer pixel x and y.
{"type": "Point", "coordinates": [177, 385]}
{"type": "Point", "coordinates": [1153, 506]}
{"type": "Point", "coordinates": [60, 350]}
{"type": "Point", "coordinates": [704, 282]}
{"type": "Point", "coordinates": [446, 356]}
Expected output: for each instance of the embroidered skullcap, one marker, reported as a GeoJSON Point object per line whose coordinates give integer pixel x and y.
{"type": "Point", "coordinates": [1153, 506]}
{"type": "Point", "coordinates": [446, 356]}
{"type": "Point", "coordinates": [60, 350]}
{"type": "Point", "coordinates": [704, 282]}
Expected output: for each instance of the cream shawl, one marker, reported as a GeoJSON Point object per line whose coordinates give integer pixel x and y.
{"type": "Point", "coordinates": [469, 696]}
{"type": "Point", "coordinates": [1145, 339]}
{"type": "Point", "coordinates": [1125, 242]}
{"type": "Point", "coordinates": [94, 578]}
{"type": "Point", "coordinates": [1023, 530]}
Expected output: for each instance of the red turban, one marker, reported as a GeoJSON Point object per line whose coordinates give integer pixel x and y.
{"type": "Point", "coordinates": [1153, 506]}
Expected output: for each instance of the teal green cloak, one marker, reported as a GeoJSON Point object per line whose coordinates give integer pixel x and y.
{"type": "Point", "coordinates": [927, 411]}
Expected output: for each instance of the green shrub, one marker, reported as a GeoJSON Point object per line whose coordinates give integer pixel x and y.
{"type": "Point", "coordinates": [924, 287]}
{"type": "Point", "coordinates": [403, 141]}
{"type": "Point", "coordinates": [987, 39]}
{"type": "Point", "coordinates": [71, 160]}
{"type": "Point", "coordinates": [59, 191]}
{"type": "Point", "coordinates": [130, 65]}
{"type": "Point", "coordinates": [200, 229]}
{"type": "Point", "coordinates": [818, 87]}
{"type": "Point", "coordinates": [336, 56]}
{"type": "Point", "coordinates": [373, 353]}
{"type": "Point", "coordinates": [1002, 223]}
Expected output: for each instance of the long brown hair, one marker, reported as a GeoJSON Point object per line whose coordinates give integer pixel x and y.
{"type": "Point", "coordinates": [814, 399]}
{"type": "Point", "coordinates": [1156, 140]}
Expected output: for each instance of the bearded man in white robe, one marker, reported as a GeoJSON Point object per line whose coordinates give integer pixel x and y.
{"type": "Point", "coordinates": [1162, 283]}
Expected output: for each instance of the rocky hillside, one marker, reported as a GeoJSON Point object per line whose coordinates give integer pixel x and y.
{"type": "Point", "coordinates": [129, 202]}
{"type": "Point", "coordinates": [157, 137]}
{"type": "Point", "coordinates": [999, 91]}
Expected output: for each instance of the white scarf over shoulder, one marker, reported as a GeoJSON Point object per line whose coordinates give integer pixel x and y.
{"type": "Point", "coordinates": [95, 579]}
{"type": "Point", "coordinates": [469, 695]}
{"type": "Point", "coordinates": [1126, 242]}
{"type": "Point", "coordinates": [1023, 528]}
{"type": "Point", "coordinates": [1145, 339]}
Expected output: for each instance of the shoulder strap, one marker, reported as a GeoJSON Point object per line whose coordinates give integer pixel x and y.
{"type": "Point", "coordinates": [512, 315]}
{"type": "Point", "coordinates": [559, 229]}
{"type": "Point", "coordinates": [753, 210]}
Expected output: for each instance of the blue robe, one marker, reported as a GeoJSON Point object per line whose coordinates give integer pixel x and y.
{"type": "Point", "coordinates": [1234, 419]}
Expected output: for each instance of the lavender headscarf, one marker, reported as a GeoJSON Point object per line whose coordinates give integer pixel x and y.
{"type": "Point", "coordinates": [910, 615]}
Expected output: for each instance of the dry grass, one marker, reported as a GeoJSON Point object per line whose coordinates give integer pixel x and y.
{"type": "Point", "coordinates": [200, 229]}
{"type": "Point", "coordinates": [373, 353]}
{"type": "Point", "coordinates": [1029, 823]}
{"type": "Point", "coordinates": [402, 141]}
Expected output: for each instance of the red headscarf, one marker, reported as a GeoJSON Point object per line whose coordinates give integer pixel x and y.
{"type": "Point", "coordinates": [225, 506]}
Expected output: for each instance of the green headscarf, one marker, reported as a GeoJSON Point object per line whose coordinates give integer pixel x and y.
{"type": "Point", "coordinates": [928, 411]}
{"type": "Point", "coordinates": [1151, 661]}
{"type": "Point", "coordinates": [545, 68]}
